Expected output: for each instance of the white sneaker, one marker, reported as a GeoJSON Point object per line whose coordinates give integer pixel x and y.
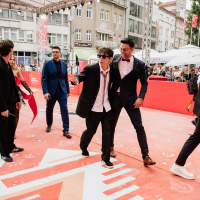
{"type": "Point", "coordinates": [181, 171]}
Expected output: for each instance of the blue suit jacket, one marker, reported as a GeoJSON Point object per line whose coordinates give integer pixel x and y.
{"type": "Point", "coordinates": [50, 78]}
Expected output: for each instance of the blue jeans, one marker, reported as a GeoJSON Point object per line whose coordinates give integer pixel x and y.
{"type": "Point", "coordinates": [62, 100]}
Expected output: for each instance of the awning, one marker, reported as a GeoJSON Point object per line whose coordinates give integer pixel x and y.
{"type": "Point", "coordinates": [65, 54]}
{"type": "Point", "coordinates": [84, 54]}
{"type": "Point", "coordinates": [105, 32]}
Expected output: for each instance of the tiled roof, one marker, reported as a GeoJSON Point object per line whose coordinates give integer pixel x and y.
{"type": "Point", "coordinates": [167, 3]}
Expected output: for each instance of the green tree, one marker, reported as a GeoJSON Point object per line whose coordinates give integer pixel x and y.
{"type": "Point", "coordinates": [195, 9]}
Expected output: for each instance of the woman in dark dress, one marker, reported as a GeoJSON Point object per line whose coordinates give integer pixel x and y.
{"type": "Point", "coordinates": [190, 145]}
{"type": "Point", "coordinates": [162, 72]}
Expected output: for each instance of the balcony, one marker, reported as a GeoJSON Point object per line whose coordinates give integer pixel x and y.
{"type": "Point", "coordinates": [100, 43]}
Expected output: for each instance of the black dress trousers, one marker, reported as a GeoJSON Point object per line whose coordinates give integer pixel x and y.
{"type": "Point", "coordinates": [8, 127]}
{"type": "Point", "coordinates": [135, 116]}
{"type": "Point", "coordinates": [189, 146]}
{"type": "Point", "coordinates": [92, 122]}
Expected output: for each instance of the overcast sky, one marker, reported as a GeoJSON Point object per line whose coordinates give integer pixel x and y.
{"type": "Point", "coordinates": [188, 4]}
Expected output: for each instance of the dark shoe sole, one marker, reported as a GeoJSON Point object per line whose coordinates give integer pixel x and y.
{"type": "Point", "coordinates": [7, 160]}
{"type": "Point", "coordinates": [109, 167]}
{"type": "Point", "coordinates": [145, 164]}
{"type": "Point", "coordinates": [85, 156]}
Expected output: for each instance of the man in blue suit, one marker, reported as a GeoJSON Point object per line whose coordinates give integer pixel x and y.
{"type": "Point", "coordinates": [56, 87]}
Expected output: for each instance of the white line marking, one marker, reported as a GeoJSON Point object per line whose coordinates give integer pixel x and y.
{"type": "Point", "coordinates": [137, 198]}
{"type": "Point", "coordinates": [120, 182]}
{"type": "Point", "coordinates": [123, 192]}
{"type": "Point", "coordinates": [117, 174]}
{"type": "Point", "coordinates": [32, 197]}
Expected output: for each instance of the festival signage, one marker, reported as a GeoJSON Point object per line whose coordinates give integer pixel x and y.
{"type": "Point", "coordinates": [185, 24]}
{"type": "Point", "coordinates": [42, 31]}
{"type": "Point", "coordinates": [194, 21]}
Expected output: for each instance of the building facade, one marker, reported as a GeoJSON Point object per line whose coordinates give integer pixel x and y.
{"type": "Point", "coordinates": [99, 24]}
{"type": "Point", "coordinates": [22, 29]}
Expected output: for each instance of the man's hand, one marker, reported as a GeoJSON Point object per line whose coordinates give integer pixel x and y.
{"type": "Point", "coordinates": [5, 113]}
{"type": "Point", "coordinates": [46, 96]}
{"type": "Point", "coordinates": [68, 95]}
{"type": "Point", "coordinates": [73, 79]}
{"type": "Point", "coordinates": [138, 103]}
{"type": "Point", "coordinates": [18, 105]}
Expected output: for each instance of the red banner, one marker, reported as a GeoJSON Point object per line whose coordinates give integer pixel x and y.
{"type": "Point", "coordinates": [194, 21]}
{"type": "Point", "coordinates": [42, 31]}
{"type": "Point", "coordinates": [185, 24]}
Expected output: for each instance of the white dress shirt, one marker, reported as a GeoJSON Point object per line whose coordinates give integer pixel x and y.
{"type": "Point", "coordinates": [98, 105]}
{"type": "Point", "coordinates": [125, 68]}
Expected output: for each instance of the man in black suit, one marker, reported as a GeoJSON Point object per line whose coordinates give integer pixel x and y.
{"type": "Point", "coordinates": [9, 100]}
{"type": "Point", "coordinates": [126, 71]}
{"type": "Point", "coordinates": [94, 103]}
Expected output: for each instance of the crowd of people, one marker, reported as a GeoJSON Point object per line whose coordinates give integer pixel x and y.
{"type": "Point", "coordinates": [108, 86]}
{"type": "Point", "coordinates": [176, 74]}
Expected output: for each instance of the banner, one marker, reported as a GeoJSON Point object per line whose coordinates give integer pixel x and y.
{"type": "Point", "coordinates": [42, 31]}
{"type": "Point", "coordinates": [185, 24]}
{"type": "Point", "coordinates": [194, 21]}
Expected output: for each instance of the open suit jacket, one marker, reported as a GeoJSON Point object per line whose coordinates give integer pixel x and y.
{"type": "Point", "coordinates": [50, 78]}
{"type": "Point", "coordinates": [5, 86]}
{"type": "Point", "coordinates": [128, 90]}
{"type": "Point", "coordinates": [91, 77]}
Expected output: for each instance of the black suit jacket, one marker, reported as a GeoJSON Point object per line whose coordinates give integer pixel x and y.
{"type": "Point", "coordinates": [91, 77]}
{"type": "Point", "coordinates": [128, 85]}
{"type": "Point", "coordinates": [5, 86]}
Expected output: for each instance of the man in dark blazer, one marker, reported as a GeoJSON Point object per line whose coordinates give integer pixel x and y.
{"type": "Point", "coordinates": [126, 71]}
{"type": "Point", "coordinates": [56, 88]}
{"type": "Point", "coordinates": [94, 103]}
{"type": "Point", "coordinates": [9, 101]}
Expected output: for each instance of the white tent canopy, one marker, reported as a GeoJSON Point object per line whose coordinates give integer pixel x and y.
{"type": "Point", "coordinates": [189, 47]}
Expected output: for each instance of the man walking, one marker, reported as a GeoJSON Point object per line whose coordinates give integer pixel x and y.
{"type": "Point", "coordinates": [56, 87]}
{"type": "Point", "coordinates": [9, 100]}
{"type": "Point", "coordinates": [126, 71]}
{"type": "Point", "coordinates": [94, 103]}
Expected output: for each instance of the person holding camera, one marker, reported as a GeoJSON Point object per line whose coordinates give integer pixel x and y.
{"type": "Point", "coordinates": [55, 87]}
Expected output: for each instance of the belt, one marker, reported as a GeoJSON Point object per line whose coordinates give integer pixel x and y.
{"type": "Point", "coordinates": [118, 93]}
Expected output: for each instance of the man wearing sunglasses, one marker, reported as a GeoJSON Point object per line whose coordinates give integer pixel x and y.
{"type": "Point", "coordinates": [94, 103]}
{"type": "Point", "coordinates": [55, 87]}
{"type": "Point", "coordinates": [126, 71]}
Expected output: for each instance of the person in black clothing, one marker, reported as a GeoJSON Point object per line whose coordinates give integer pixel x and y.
{"type": "Point", "coordinates": [55, 87]}
{"type": "Point", "coordinates": [162, 72]}
{"type": "Point", "coordinates": [191, 75]}
{"type": "Point", "coordinates": [9, 100]}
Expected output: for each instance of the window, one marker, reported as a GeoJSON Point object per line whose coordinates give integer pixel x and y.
{"type": "Point", "coordinates": [20, 53]}
{"type": "Point", "coordinates": [104, 37]}
{"type": "Point", "coordinates": [65, 20]}
{"type": "Point", "coordinates": [14, 34]}
{"type": "Point", "coordinates": [27, 53]}
{"type": "Point", "coordinates": [58, 39]}
{"type": "Point", "coordinates": [136, 10]}
{"type": "Point", "coordinates": [167, 32]}
{"type": "Point", "coordinates": [115, 18]}
{"type": "Point", "coordinates": [1, 34]}
{"type": "Point", "coordinates": [51, 38]}
{"type": "Point", "coordinates": [5, 13]}
{"type": "Point", "coordinates": [13, 14]}
{"type": "Point", "coordinates": [6, 33]}
{"type": "Point", "coordinates": [135, 27]}
{"type": "Point", "coordinates": [78, 35]}
{"type": "Point", "coordinates": [29, 16]}
{"type": "Point", "coordinates": [120, 20]}
{"type": "Point", "coordinates": [89, 12]}
{"type": "Point", "coordinates": [21, 36]}
{"type": "Point", "coordinates": [161, 16]}
{"type": "Point", "coordinates": [153, 32]}
{"type": "Point", "coordinates": [78, 11]}
{"type": "Point", "coordinates": [64, 39]}
{"type": "Point", "coordinates": [55, 19]}
{"type": "Point", "coordinates": [102, 15]}
{"type": "Point", "coordinates": [88, 35]}
{"type": "Point", "coordinates": [167, 19]}
{"type": "Point", "coordinates": [29, 36]}
{"type": "Point", "coordinates": [107, 16]}
{"type": "Point", "coordinates": [20, 16]}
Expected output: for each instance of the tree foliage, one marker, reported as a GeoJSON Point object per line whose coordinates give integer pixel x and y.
{"type": "Point", "coordinates": [195, 9]}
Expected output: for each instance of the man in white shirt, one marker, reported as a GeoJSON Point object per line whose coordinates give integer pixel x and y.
{"type": "Point", "coordinates": [94, 103]}
{"type": "Point", "coordinates": [126, 71]}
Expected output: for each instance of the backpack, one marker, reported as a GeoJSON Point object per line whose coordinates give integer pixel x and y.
{"type": "Point", "coordinates": [192, 85]}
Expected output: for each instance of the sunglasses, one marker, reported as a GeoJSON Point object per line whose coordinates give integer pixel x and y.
{"type": "Point", "coordinates": [124, 49]}
{"type": "Point", "coordinates": [103, 56]}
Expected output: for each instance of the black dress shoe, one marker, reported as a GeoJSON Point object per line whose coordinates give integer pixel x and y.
{"type": "Point", "coordinates": [7, 158]}
{"type": "Point", "coordinates": [108, 164]}
{"type": "Point", "coordinates": [48, 129]}
{"type": "Point", "coordinates": [17, 149]}
{"type": "Point", "coordinates": [84, 153]}
{"type": "Point", "coordinates": [66, 133]}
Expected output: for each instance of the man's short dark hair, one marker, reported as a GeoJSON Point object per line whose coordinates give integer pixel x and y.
{"type": "Point", "coordinates": [5, 47]}
{"type": "Point", "coordinates": [56, 47]}
{"type": "Point", "coordinates": [107, 50]}
{"type": "Point", "coordinates": [128, 41]}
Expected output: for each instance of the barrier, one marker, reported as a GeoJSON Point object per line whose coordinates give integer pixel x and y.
{"type": "Point", "coordinates": [162, 95]}
{"type": "Point", "coordinates": [157, 78]}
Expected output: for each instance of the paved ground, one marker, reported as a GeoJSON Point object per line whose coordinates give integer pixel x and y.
{"type": "Point", "coordinates": [51, 167]}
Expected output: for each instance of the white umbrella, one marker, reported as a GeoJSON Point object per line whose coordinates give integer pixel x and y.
{"type": "Point", "coordinates": [189, 46]}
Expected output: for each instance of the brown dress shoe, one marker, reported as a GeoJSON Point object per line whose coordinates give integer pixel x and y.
{"type": "Point", "coordinates": [148, 161]}
{"type": "Point", "coordinates": [112, 152]}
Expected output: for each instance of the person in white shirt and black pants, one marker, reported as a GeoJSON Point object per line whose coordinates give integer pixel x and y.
{"type": "Point", "coordinates": [126, 71]}
{"type": "Point", "coordinates": [94, 103]}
